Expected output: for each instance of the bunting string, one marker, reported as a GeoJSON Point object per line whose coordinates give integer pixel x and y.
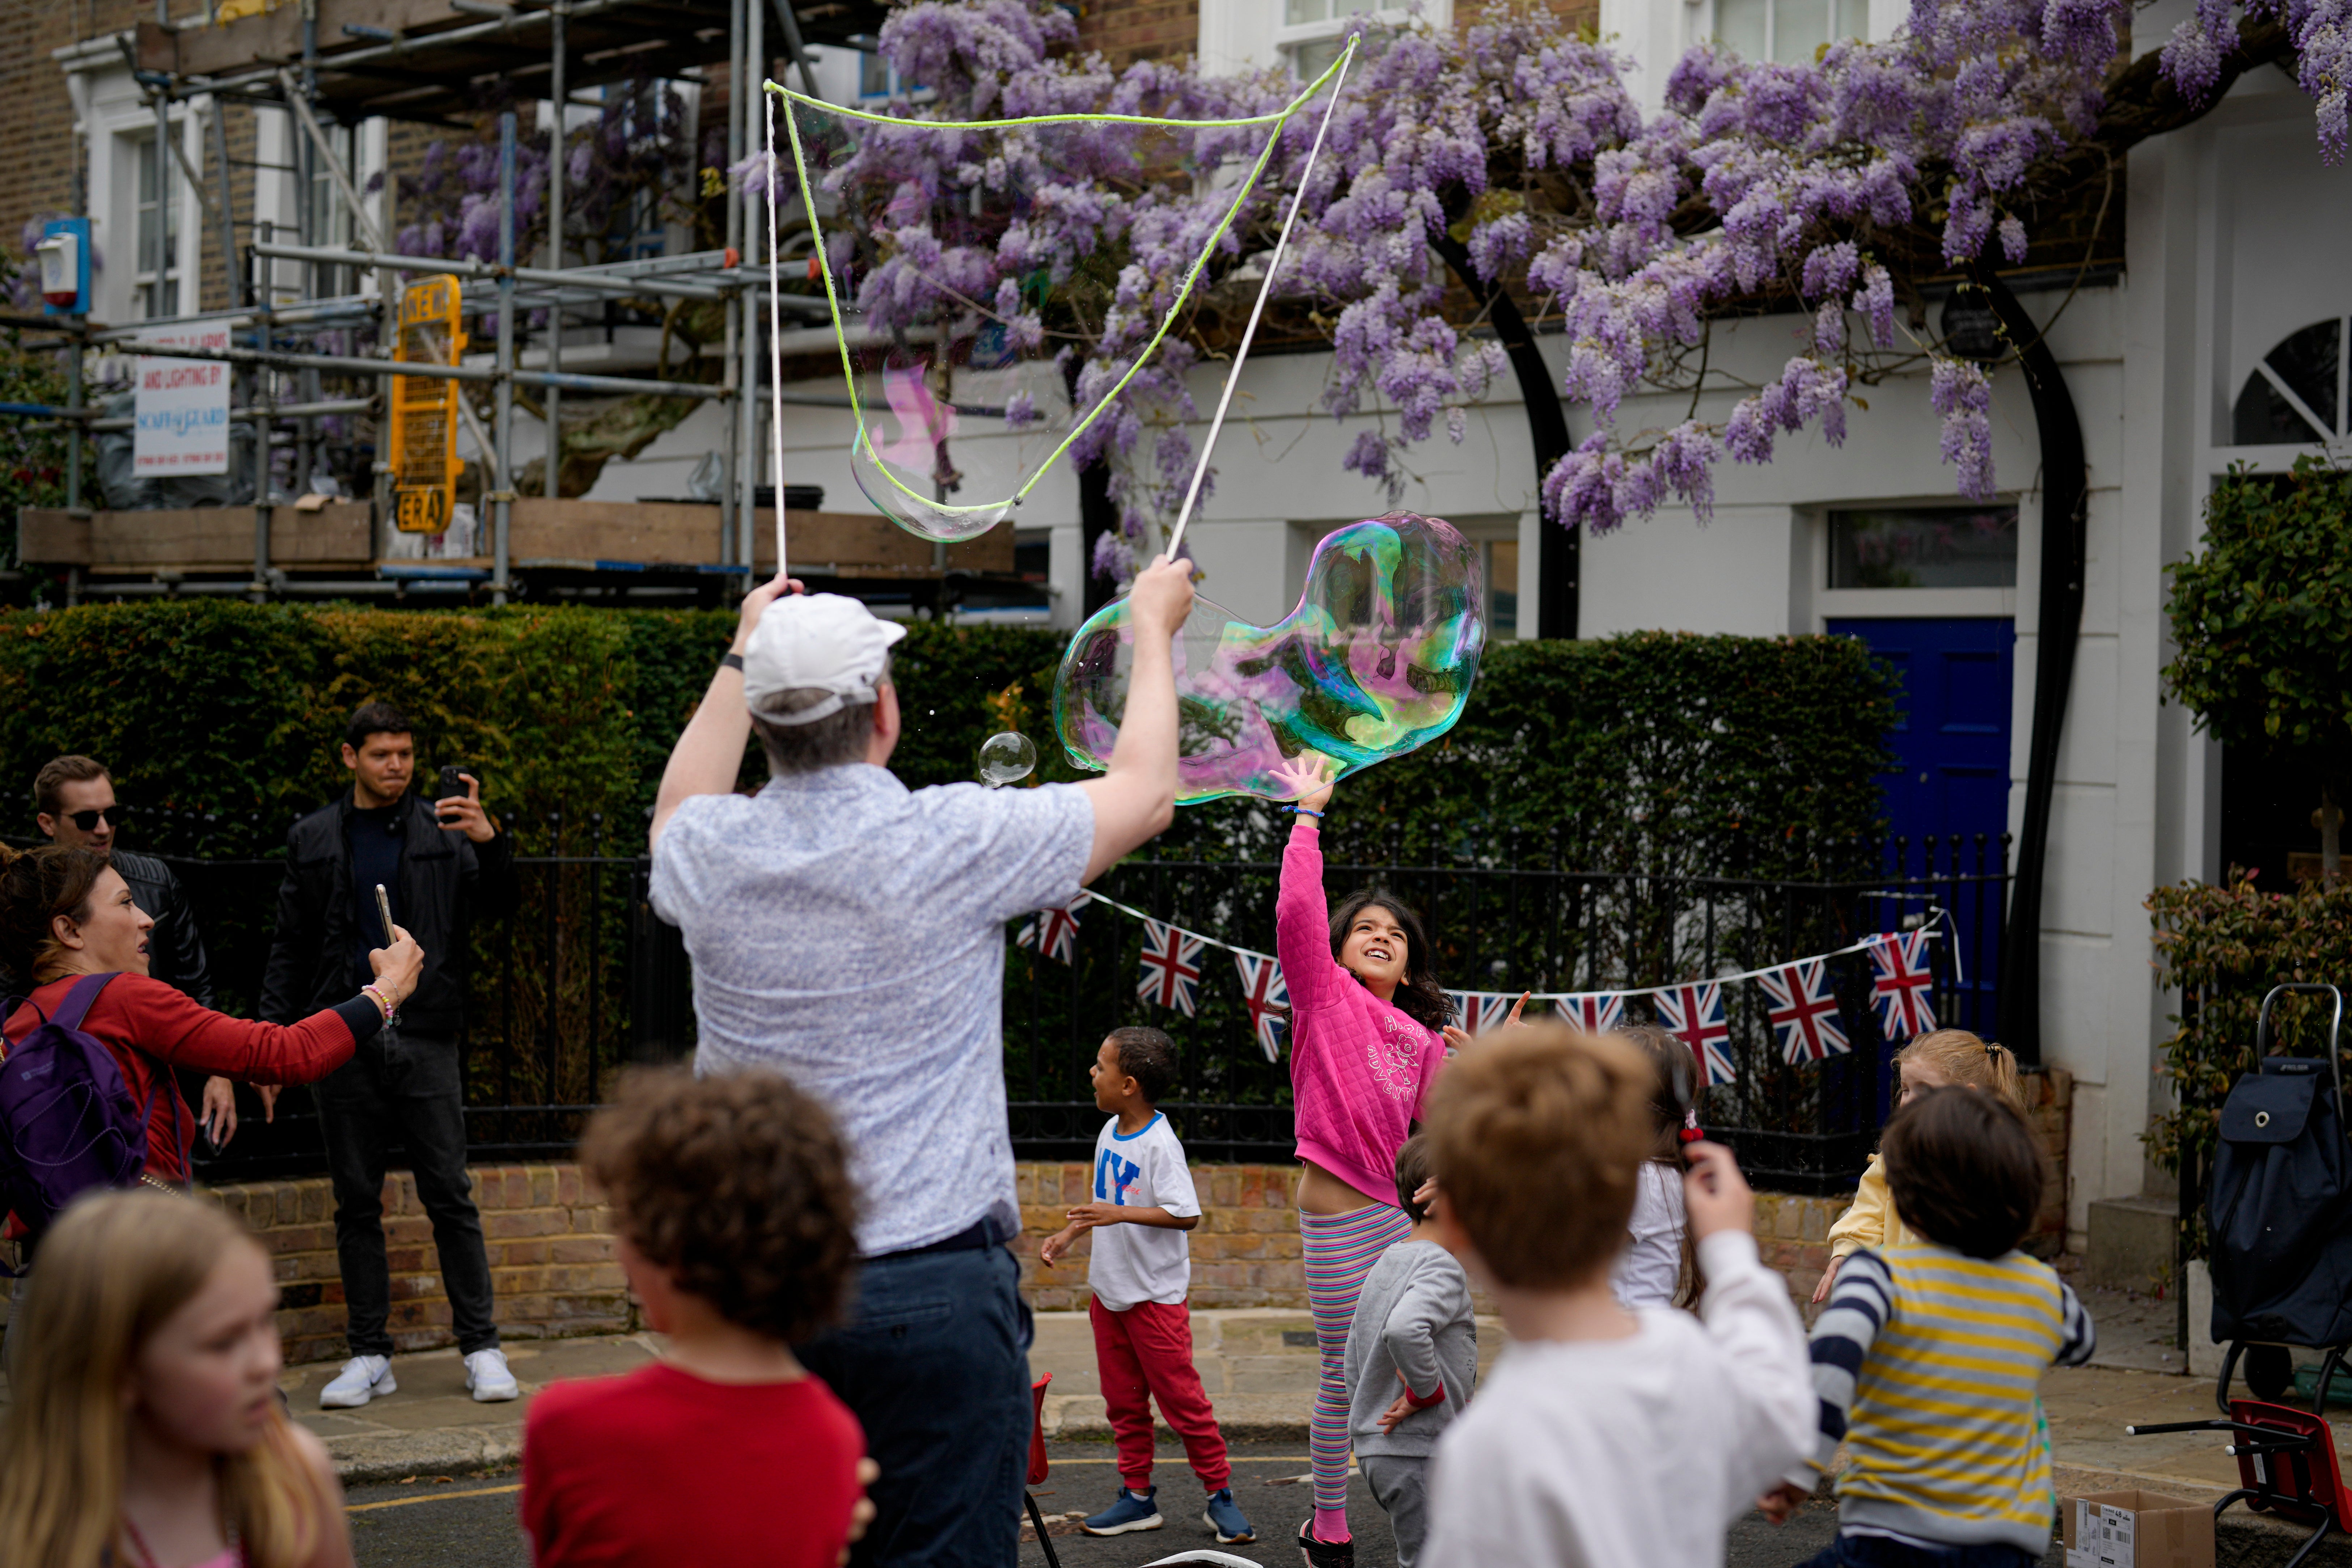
{"type": "Point", "coordinates": [1800, 1003]}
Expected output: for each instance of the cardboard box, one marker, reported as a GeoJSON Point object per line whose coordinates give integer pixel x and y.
{"type": "Point", "coordinates": [2135, 1530]}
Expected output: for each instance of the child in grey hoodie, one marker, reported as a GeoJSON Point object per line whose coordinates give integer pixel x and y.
{"type": "Point", "coordinates": [1413, 1357]}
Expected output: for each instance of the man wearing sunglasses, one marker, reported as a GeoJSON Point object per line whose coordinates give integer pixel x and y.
{"type": "Point", "coordinates": [73, 797]}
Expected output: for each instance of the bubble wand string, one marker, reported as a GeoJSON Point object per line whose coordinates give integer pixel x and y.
{"type": "Point", "coordinates": [796, 100]}
{"type": "Point", "coordinates": [775, 337]}
{"type": "Point", "coordinates": [1233, 372]}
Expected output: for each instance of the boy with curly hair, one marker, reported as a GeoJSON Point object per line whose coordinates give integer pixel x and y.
{"type": "Point", "coordinates": [733, 1217]}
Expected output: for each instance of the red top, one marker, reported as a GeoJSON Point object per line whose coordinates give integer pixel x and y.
{"type": "Point", "coordinates": [662, 1467]}
{"type": "Point", "coordinates": [147, 1023]}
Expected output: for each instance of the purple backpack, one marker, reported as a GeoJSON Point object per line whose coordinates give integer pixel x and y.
{"type": "Point", "coordinates": [67, 1120]}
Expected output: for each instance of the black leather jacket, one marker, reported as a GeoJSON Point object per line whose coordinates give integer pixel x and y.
{"type": "Point", "coordinates": [446, 878]}
{"type": "Point", "coordinates": [175, 952]}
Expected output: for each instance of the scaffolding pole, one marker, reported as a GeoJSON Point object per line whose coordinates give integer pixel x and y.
{"type": "Point", "coordinates": [556, 14]}
{"type": "Point", "coordinates": [502, 498]}
{"type": "Point", "coordinates": [731, 447]}
{"type": "Point", "coordinates": [747, 436]}
{"type": "Point", "coordinates": [252, 303]}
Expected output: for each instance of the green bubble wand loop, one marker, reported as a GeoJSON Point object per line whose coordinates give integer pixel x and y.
{"type": "Point", "coordinates": [1333, 73]}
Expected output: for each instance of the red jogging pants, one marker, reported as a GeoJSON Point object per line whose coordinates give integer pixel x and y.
{"type": "Point", "coordinates": [1145, 1353]}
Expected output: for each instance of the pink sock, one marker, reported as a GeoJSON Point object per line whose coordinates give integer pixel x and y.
{"type": "Point", "coordinates": [1331, 1526]}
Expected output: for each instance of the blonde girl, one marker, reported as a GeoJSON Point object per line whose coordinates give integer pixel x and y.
{"type": "Point", "coordinates": [144, 1429]}
{"type": "Point", "coordinates": [1935, 1060]}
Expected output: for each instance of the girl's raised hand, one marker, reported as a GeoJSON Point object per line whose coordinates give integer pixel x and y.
{"type": "Point", "coordinates": [1307, 777]}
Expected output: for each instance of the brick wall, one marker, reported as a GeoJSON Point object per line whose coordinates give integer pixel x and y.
{"type": "Point", "coordinates": [550, 1258]}
{"type": "Point", "coordinates": [1245, 1250]}
{"type": "Point", "coordinates": [36, 175]}
{"type": "Point", "coordinates": [1575, 14]}
{"type": "Point", "coordinates": [1125, 31]}
{"type": "Point", "coordinates": [551, 1251]}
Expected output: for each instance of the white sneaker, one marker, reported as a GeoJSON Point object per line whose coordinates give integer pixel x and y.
{"type": "Point", "coordinates": [487, 1375]}
{"type": "Point", "coordinates": [363, 1378]}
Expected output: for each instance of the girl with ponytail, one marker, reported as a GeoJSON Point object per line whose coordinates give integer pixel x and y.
{"type": "Point", "coordinates": [1939, 1060]}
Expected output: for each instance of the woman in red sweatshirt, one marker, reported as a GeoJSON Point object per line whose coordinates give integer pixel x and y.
{"type": "Point", "coordinates": [1367, 1038]}
{"type": "Point", "coordinates": [66, 913]}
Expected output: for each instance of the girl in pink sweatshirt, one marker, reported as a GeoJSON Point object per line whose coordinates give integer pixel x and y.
{"type": "Point", "coordinates": [1367, 1038]}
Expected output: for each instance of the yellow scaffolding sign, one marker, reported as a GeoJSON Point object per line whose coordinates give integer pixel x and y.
{"type": "Point", "coordinates": [424, 408]}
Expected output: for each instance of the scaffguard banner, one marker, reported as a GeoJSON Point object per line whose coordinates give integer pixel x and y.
{"type": "Point", "coordinates": [182, 407]}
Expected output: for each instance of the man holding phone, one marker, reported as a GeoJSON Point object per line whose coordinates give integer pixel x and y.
{"type": "Point", "coordinates": [438, 864]}
{"type": "Point", "coordinates": [73, 801]}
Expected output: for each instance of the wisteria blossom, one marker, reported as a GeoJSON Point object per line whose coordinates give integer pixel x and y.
{"type": "Point", "coordinates": [1509, 153]}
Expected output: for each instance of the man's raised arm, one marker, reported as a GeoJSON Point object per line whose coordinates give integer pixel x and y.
{"type": "Point", "coordinates": [1136, 799]}
{"type": "Point", "coordinates": [710, 753]}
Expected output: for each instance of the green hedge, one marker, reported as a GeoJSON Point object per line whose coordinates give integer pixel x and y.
{"type": "Point", "coordinates": [1661, 752]}
{"type": "Point", "coordinates": [2221, 948]}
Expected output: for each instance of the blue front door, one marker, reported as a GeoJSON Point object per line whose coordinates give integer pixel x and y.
{"type": "Point", "coordinates": [1951, 740]}
{"type": "Point", "coordinates": [1951, 781]}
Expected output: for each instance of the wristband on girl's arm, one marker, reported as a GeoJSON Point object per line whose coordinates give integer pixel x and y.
{"type": "Point", "coordinates": [1304, 812]}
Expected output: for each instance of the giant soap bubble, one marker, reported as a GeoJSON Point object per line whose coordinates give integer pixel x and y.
{"type": "Point", "coordinates": [1378, 658]}
{"type": "Point", "coordinates": [944, 246]}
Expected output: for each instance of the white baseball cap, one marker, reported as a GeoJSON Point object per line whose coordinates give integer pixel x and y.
{"type": "Point", "coordinates": [817, 642]}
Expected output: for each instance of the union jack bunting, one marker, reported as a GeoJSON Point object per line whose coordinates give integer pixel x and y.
{"type": "Point", "coordinates": [1061, 929]}
{"type": "Point", "coordinates": [1591, 1011]}
{"type": "Point", "coordinates": [1693, 1014]}
{"type": "Point", "coordinates": [1267, 996]}
{"type": "Point", "coordinates": [1901, 960]}
{"type": "Point", "coordinates": [1171, 967]}
{"type": "Point", "coordinates": [1804, 1011]}
{"type": "Point", "coordinates": [1479, 1011]}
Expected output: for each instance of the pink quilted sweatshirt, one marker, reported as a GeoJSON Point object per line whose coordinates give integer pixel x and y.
{"type": "Point", "coordinates": [1359, 1068]}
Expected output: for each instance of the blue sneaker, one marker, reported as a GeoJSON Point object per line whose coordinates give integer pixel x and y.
{"type": "Point", "coordinates": [1133, 1510]}
{"type": "Point", "coordinates": [1224, 1517]}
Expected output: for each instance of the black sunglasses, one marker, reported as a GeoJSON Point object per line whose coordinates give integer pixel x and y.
{"type": "Point", "coordinates": [87, 821]}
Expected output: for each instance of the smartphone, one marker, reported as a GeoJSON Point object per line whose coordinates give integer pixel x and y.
{"type": "Point", "coordinates": [451, 784]}
{"type": "Point", "coordinates": [383, 912]}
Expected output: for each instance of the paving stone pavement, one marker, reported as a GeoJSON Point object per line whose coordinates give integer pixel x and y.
{"type": "Point", "coordinates": [1259, 1366]}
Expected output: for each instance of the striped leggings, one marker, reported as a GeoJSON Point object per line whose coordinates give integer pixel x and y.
{"type": "Point", "coordinates": [1341, 1250]}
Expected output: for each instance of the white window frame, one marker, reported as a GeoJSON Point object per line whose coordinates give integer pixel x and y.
{"type": "Point", "coordinates": [1290, 38]}
{"type": "Point", "coordinates": [153, 297]}
{"type": "Point", "coordinates": [1817, 604]}
{"type": "Point", "coordinates": [112, 118]}
{"type": "Point", "coordinates": [1884, 18]}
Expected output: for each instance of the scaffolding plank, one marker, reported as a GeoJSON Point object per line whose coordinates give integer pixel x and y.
{"type": "Point", "coordinates": [215, 537]}
{"type": "Point", "coordinates": [276, 37]}
{"type": "Point", "coordinates": [52, 536]}
{"type": "Point", "coordinates": [858, 540]}
{"type": "Point", "coordinates": [682, 534]}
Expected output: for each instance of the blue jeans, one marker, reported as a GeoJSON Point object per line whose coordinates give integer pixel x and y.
{"type": "Point", "coordinates": [1877, 1551]}
{"type": "Point", "coordinates": [933, 1358]}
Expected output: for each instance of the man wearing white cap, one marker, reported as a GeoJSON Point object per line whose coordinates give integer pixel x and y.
{"type": "Point", "coordinates": [849, 932]}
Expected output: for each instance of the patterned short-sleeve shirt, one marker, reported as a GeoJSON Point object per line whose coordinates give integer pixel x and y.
{"type": "Point", "coordinates": [849, 934]}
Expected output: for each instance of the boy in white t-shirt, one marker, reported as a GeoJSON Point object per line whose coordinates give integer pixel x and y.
{"type": "Point", "coordinates": [1603, 1437]}
{"type": "Point", "coordinates": [1142, 1267]}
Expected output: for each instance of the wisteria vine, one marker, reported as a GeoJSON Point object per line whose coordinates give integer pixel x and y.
{"type": "Point", "coordinates": [1805, 186]}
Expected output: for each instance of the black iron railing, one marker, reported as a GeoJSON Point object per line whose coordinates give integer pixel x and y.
{"type": "Point", "coordinates": [1797, 1128]}
{"type": "Point", "coordinates": [583, 979]}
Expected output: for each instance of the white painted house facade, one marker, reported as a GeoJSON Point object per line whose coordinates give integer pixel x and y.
{"type": "Point", "coordinates": [2235, 238]}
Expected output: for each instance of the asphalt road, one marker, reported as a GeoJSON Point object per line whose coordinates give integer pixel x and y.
{"type": "Point", "coordinates": [469, 1522]}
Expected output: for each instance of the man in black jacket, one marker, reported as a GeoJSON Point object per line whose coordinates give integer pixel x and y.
{"type": "Point", "coordinates": [437, 862]}
{"type": "Point", "coordinates": [73, 800]}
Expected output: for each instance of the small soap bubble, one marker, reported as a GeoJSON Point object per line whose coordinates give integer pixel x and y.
{"type": "Point", "coordinates": [1006, 757]}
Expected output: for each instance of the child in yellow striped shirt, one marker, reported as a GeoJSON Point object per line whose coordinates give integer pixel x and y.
{"type": "Point", "coordinates": [1927, 1361]}
{"type": "Point", "coordinates": [1938, 1059]}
